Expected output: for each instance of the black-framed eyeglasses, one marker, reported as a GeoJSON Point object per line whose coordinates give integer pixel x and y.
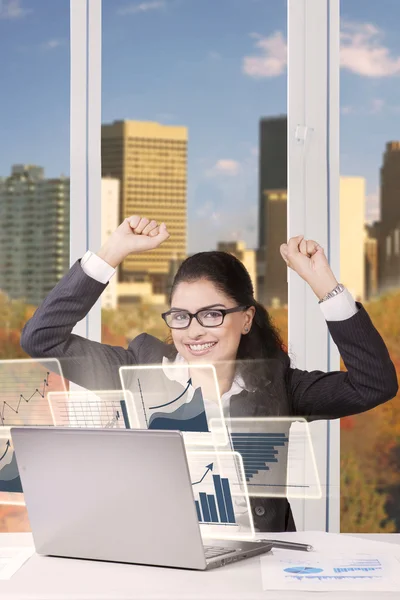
{"type": "Point", "coordinates": [207, 317]}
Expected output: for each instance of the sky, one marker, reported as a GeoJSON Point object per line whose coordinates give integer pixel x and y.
{"type": "Point", "coordinates": [213, 66]}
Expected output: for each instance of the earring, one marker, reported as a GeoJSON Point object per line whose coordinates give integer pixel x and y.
{"type": "Point", "coordinates": [246, 329]}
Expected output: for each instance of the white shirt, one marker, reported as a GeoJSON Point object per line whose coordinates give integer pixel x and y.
{"type": "Point", "coordinates": [340, 307]}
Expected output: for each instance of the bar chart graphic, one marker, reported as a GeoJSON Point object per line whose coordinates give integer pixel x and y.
{"type": "Point", "coordinates": [106, 409]}
{"type": "Point", "coordinates": [217, 507]}
{"type": "Point", "coordinates": [260, 450]}
{"type": "Point", "coordinates": [220, 512]}
{"type": "Point", "coordinates": [277, 453]}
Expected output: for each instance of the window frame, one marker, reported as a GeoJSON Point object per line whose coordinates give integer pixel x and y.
{"type": "Point", "coordinates": [313, 195]}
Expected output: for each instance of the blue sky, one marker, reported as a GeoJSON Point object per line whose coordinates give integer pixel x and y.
{"type": "Point", "coordinates": [214, 66]}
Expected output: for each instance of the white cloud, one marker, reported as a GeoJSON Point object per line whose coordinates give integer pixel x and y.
{"type": "Point", "coordinates": [225, 166]}
{"type": "Point", "coordinates": [377, 105]}
{"type": "Point", "coordinates": [52, 44]}
{"type": "Point", "coordinates": [133, 9]}
{"type": "Point", "coordinates": [271, 59]}
{"type": "Point", "coordinates": [362, 51]}
{"type": "Point", "coordinates": [12, 9]}
{"type": "Point", "coordinates": [347, 110]}
{"type": "Point", "coordinates": [212, 55]}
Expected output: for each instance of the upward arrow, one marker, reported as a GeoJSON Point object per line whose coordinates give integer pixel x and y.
{"type": "Point", "coordinates": [209, 468]}
{"type": "Point", "coordinates": [189, 383]}
{"type": "Point", "coordinates": [6, 450]}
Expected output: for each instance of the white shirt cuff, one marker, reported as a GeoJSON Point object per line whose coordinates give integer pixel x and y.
{"type": "Point", "coordinates": [339, 307]}
{"type": "Point", "coordinates": [96, 267]}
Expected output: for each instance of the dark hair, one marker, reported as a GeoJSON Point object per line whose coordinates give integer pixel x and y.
{"type": "Point", "coordinates": [230, 276]}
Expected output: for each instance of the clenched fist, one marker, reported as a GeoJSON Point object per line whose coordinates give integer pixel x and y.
{"type": "Point", "coordinates": [135, 234]}
{"type": "Point", "coordinates": [308, 259]}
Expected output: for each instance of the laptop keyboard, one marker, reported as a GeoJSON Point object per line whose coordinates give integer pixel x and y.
{"type": "Point", "coordinates": [213, 551]}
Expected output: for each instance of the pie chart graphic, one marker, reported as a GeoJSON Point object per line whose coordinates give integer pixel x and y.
{"type": "Point", "coordinates": [303, 570]}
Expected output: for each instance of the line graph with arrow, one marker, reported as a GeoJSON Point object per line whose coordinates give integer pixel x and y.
{"type": "Point", "coordinates": [6, 407]}
{"type": "Point", "coordinates": [10, 481]}
{"type": "Point", "coordinates": [163, 402]}
{"type": "Point", "coordinates": [208, 468]}
{"type": "Point", "coordinates": [8, 444]}
{"type": "Point", "coordinates": [189, 383]}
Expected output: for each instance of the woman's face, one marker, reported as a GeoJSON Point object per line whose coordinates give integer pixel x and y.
{"type": "Point", "coordinates": [208, 344]}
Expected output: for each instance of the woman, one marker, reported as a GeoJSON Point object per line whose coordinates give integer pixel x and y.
{"type": "Point", "coordinates": [214, 317]}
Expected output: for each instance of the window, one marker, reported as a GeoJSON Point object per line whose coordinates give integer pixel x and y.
{"type": "Point", "coordinates": [34, 154]}
{"type": "Point", "coordinates": [370, 261]}
{"type": "Point", "coordinates": [220, 103]}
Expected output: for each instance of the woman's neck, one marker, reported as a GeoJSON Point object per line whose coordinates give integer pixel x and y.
{"type": "Point", "coordinates": [204, 378]}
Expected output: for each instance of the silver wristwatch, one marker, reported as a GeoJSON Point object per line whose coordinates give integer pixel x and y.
{"type": "Point", "coordinates": [337, 290]}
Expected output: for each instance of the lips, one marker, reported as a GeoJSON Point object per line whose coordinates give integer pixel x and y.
{"type": "Point", "coordinates": [200, 349]}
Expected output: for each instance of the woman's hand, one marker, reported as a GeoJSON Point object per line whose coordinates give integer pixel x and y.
{"type": "Point", "coordinates": [308, 259]}
{"type": "Point", "coordinates": [134, 235]}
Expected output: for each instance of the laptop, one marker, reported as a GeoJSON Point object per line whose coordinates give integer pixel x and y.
{"type": "Point", "coordinates": [116, 495]}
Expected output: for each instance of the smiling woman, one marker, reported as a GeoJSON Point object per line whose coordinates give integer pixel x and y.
{"type": "Point", "coordinates": [240, 333]}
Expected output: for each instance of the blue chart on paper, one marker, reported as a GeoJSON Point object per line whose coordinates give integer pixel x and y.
{"type": "Point", "coordinates": [9, 477]}
{"type": "Point", "coordinates": [217, 507]}
{"type": "Point", "coordinates": [258, 450]}
{"type": "Point", "coordinates": [303, 570]}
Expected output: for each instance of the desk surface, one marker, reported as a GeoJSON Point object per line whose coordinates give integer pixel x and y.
{"type": "Point", "coordinates": [48, 578]}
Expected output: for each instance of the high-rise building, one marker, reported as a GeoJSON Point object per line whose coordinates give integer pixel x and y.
{"type": "Point", "coordinates": [352, 241]}
{"type": "Point", "coordinates": [272, 166]}
{"type": "Point", "coordinates": [371, 260]}
{"type": "Point", "coordinates": [150, 160]}
{"type": "Point", "coordinates": [352, 235]}
{"type": "Point", "coordinates": [272, 177]}
{"type": "Point", "coordinates": [245, 255]}
{"type": "Point", "coordinates": [389, 267]}
{"type": "Point", "coordinates": [34, 233]}
{"type": "Point", "coordinates": [275, 289]}
{"type": "Point", "coordinates": [109, 223]}
{"type": "Point", "coordinates": [390, 186]}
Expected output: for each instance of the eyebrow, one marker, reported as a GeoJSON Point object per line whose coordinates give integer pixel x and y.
{"type": "Point", "coordinates": [203, 308]}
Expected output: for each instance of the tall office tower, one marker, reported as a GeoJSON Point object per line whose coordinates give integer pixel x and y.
{"type": "Point", "coordinates": [34, 233]}
{"type": "Point", "coordinates": [388, 273]}
{"type": "Point", "coordinates": [371, 260]}
{"type": "Point", "coordinates": [352, 235]}
{"type": "Point", "coordinates": [352, 257]}
{"type": "Point", "coordinates": [275, 282]}
{"type": "Point", "coordinates": [272, 166]}
{"type": "Point", "coordinates": [390, 186]}
{"type": "Point", "coordinates": [245, 255]}
{"type": "Point", "coordinates": [109, 223]}
{"type": "Point", "coordinates": [150, 160]}
{"type": "Point", "coordinates": [272, 176]}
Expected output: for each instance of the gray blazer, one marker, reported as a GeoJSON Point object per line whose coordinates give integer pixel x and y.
{"type": "Point", "coordinates": [369, 381]}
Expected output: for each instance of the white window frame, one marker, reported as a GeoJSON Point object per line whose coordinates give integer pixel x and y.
{"type": "Point", "coordinates": [313, 194]}
{"type": "Point", "coordinates": [313, 210]}
{"type": "Point", "coordinates": [85, 143]}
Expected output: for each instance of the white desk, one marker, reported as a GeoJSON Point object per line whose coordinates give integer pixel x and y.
{"type": "Point", "coordinates": [48, 578]}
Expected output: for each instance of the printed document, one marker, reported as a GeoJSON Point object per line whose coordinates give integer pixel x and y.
{"type": "Point", "coordinates": [337, 563]}
{"type": "Point", "coordinates": [12, 559]}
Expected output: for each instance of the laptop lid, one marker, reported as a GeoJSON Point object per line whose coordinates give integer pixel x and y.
{"type": "Point", "coordinates": [120, 495]}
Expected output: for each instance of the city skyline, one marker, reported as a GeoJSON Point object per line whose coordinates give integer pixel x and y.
{"type": "Point", "coordinates": [218, 83]}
